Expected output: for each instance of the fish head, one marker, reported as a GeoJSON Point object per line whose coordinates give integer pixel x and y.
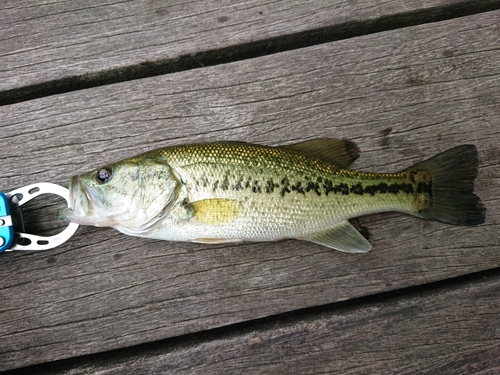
{"type": "Point", "coordinates": [132, 195]}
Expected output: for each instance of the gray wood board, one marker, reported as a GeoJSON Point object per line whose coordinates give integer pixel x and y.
{"type": "Point", "coordinates": [447, 330]}
{"type": "Point", "coordinates": [402, 95]}
{"type": "Point", "coordinates": [46, 41]}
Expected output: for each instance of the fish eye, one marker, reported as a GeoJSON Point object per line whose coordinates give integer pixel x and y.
{"type": "Point", "coordinates": [103, 175]}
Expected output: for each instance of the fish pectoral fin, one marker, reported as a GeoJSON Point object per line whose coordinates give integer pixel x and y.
{"type": "Point", "coordinates": [215, 211]}
{"type": "Point", "coordinates": [343, 237]}
{"type": "Point", "coordinates": [339, 152]}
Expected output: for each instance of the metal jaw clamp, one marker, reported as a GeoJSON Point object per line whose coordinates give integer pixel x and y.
{"type": "Point", "coordinates": [11, 219]}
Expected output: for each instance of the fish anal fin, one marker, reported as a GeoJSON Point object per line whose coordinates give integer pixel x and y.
{"type": "Point", "coordinates": [215, 211]}
{"type": "Point", "coordinates": [339, 152]}
{"type": "Point", "coordinates": [344, 237]}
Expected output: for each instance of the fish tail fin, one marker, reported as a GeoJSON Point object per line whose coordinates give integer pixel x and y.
{"type": "Point", "coordinates": [448, 187]}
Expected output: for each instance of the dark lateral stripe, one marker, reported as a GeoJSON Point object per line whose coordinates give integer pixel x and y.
{"type": "Point", "coordinates": [424, 187]}
{"type": "Point", "coordinates": [327, 187]}
{"type": "Point", "coordinates": [383, 188]}
{"type": "Point", "coordinates": [320, 187]}
{"type": "Point", "coordinates": [380, 188]}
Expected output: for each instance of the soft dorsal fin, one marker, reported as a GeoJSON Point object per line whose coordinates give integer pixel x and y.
{"type": "Point", "coordinates": [344, 237]}
{"type": "Point", "coordinates": [336, 151]}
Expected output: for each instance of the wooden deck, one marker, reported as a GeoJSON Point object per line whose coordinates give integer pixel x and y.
{"type": "Point", "coordinates": [83, 83]}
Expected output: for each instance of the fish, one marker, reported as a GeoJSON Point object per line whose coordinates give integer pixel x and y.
{"type": "Point", "coordinates": [235, 191]}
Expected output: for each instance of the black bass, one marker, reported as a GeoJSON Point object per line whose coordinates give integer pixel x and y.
{"type": "Point", "coordinates": [231, 191]}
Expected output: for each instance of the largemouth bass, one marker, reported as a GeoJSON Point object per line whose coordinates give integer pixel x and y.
{"type": "Point", "coordinates": [230, 192]}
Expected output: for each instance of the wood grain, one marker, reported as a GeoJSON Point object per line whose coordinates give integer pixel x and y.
{"type": "Point", "coordinates": [439, 330]}
{"type": "Point", "coordinates": [402, 96]}
{"type": "Point", "coordinates": [42, 41]}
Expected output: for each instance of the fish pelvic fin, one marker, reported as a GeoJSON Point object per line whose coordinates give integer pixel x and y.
{"type": "Point", "coordinates": [343, 237]}
{"type": "Point", "coordinates": [445, 184]}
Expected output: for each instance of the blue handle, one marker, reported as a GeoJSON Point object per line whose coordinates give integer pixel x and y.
{"type": "Point", "coordinates": [6, 228]}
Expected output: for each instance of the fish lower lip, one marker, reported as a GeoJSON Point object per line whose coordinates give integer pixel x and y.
{"type": "Point", "coordinates": [71, 213]}
{"type": "Point", "coordinates": [80, 202]}
{"type": "Point", "coordinates": [74, 191]}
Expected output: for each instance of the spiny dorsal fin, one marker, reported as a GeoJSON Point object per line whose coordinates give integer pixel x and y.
{"type": "Point", "coordinates": [344, 237]}
{"type": "Point", "coordinates": [336, 151]}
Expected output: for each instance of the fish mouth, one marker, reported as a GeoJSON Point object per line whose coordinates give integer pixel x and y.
{"type": "Point", "coordinates": [82, 202]}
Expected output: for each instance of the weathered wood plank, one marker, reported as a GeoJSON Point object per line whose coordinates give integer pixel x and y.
{"type": "Point", "coordinates": [47, 41]}
{"type": "Point", "coordinates": [446, 330]}
{"type": "Point", "coordinates": [402, 96]}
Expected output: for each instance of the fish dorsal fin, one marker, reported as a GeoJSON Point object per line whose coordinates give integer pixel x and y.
{"type": "Point", "coordinates": [336, 151]}
{"type": "Point", "coordinates": [215, 211]}
{"type": "Point", "coordinates": [344, 237]}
